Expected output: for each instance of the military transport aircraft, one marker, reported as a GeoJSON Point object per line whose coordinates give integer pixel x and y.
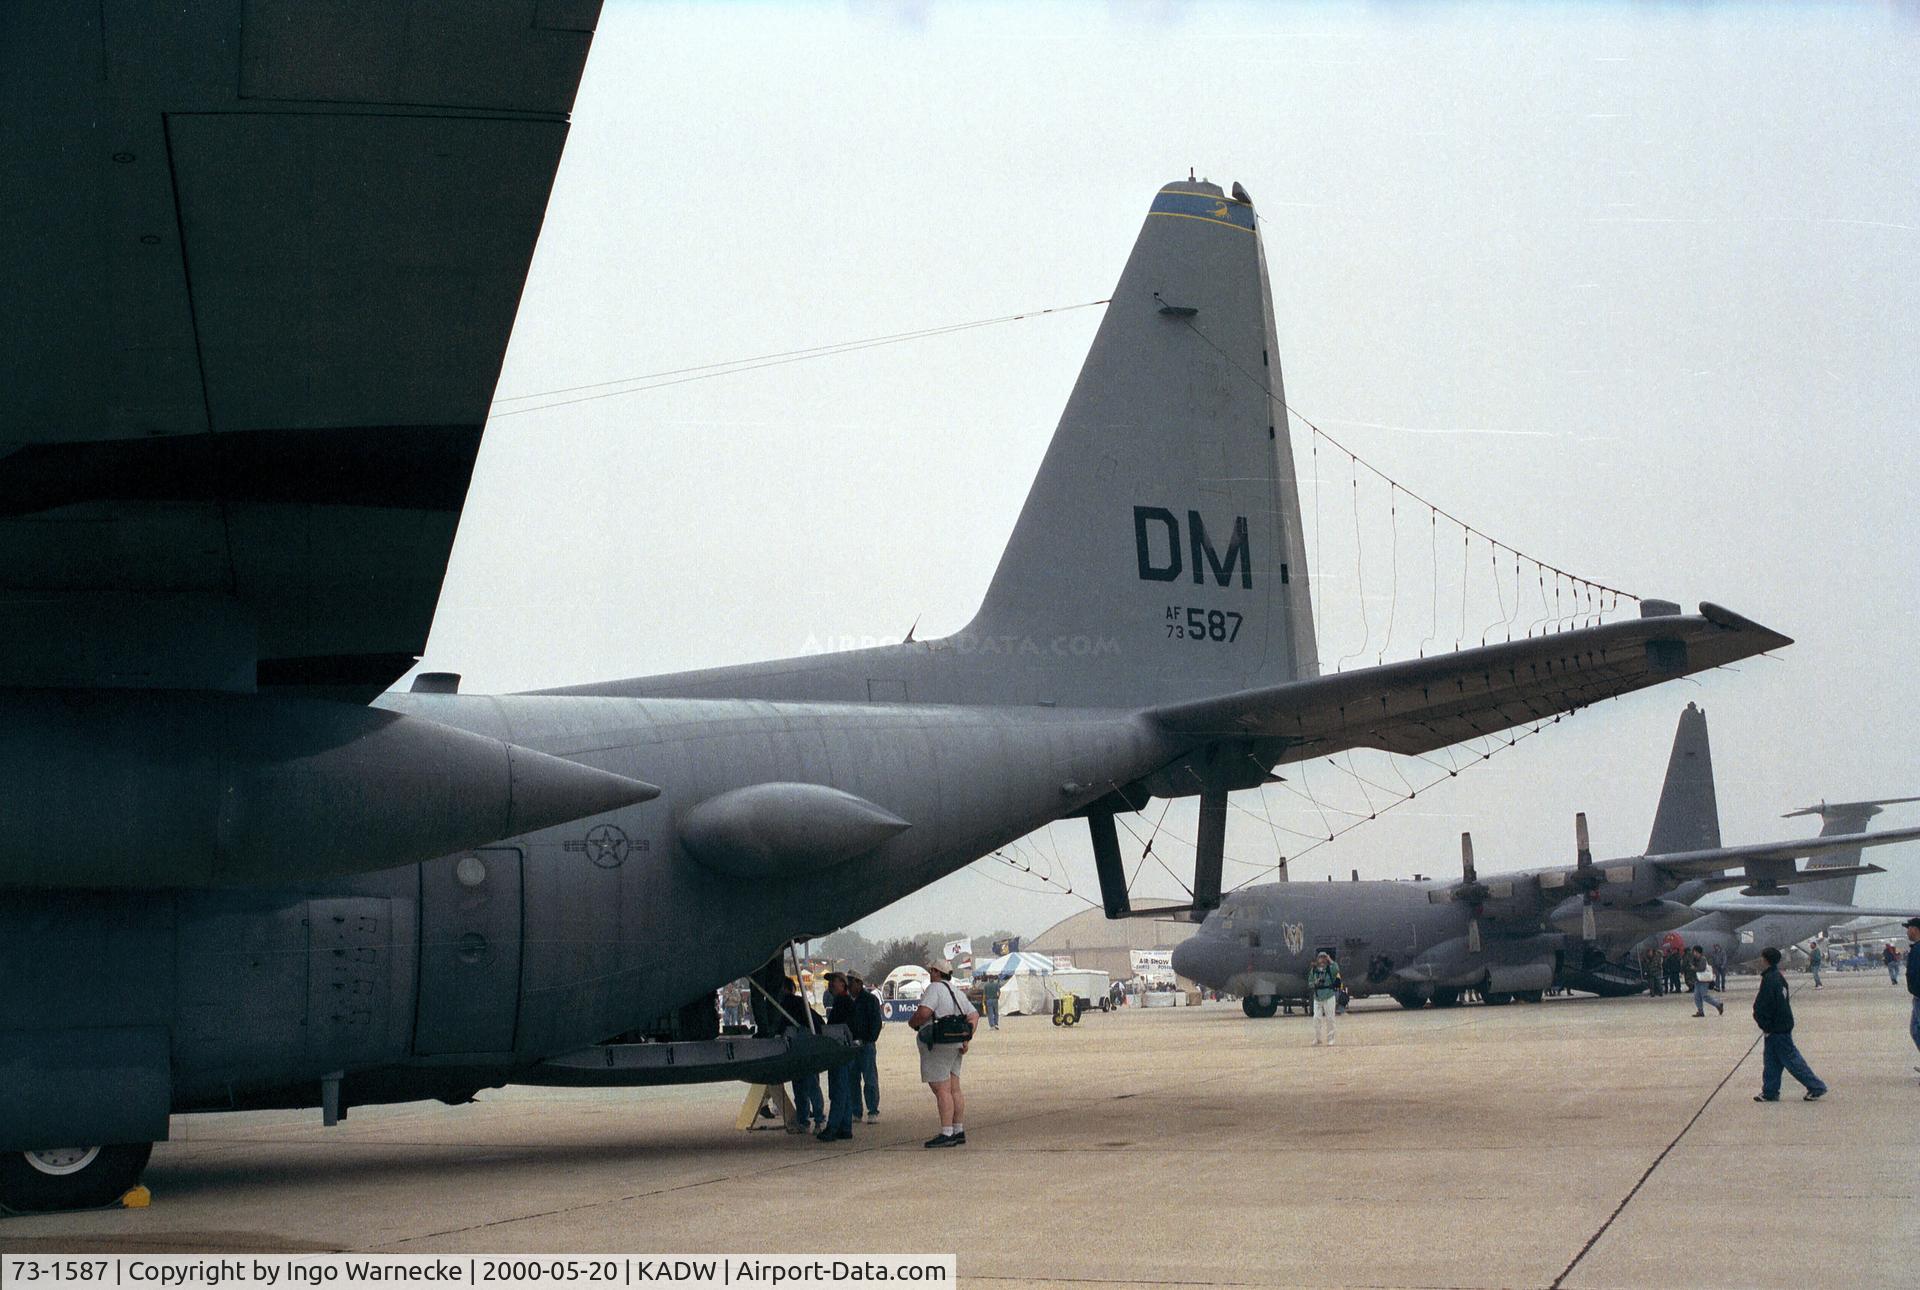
{"type": "Point", "coordinates": [1514, 935]}
{"type": "Point", "coordinates": [265, 261]}
{"type": "Point", "coordinates": [1740, 927]}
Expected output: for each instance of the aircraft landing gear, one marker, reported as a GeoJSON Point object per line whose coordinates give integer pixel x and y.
{"type": "Point", "coordinates": [70, 1177]}
{"type": "Point", "coordinates": [1409, 998]}
{"type": "Point", "coordinates": [1446, 997]}
{"type": "Point", "coordinates": [1256, 1006]}
{"type": "Point", "coordinates": [1529, 996]}
{"type": "Point", "coordinates": [1496, 998]}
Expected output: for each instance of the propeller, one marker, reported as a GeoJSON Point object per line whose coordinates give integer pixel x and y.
{"type": "Point", "coordinates": [1474, 893]}
{"type": "Point", "coordinates": [1584, 876]}
{"type": "Point", "coordinates": [1470, 890]}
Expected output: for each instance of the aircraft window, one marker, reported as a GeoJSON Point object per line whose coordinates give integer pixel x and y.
{"type": "Point", "coordinates": [1253, 940]}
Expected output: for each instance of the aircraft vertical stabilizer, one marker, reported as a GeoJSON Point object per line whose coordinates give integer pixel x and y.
{"type": "Point", "coordinates": [1688, 818]}
{"type": "Point", "coordinates": [1165, 518]}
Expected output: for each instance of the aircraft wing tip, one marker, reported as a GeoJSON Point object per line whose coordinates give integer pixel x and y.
{"type": "Point", "coordinates": [1721, 616]}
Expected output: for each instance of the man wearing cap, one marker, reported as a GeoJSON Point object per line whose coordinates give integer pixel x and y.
{"type": "Point", "coordinates": [867, 1025]}
{"type": "Point", "coordinates": [943, 1042]}
{"type": "Point", "coordinates": [1913, 982]}
{"type": "Point", "coordinates": [1774, 1015]}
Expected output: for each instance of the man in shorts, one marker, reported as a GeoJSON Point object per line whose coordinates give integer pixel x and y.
{"type": "Point", "coordinates": [940, 1061]}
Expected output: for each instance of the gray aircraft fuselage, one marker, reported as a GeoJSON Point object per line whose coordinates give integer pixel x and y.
{"type": "Point", "coordinates": [1388, 936]}
{"type": "Point", "coordinates": [575, 933]}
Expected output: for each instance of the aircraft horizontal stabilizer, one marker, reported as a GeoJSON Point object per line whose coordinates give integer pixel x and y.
{"type": "Point", "coordinates": [1422, 704]}
{"type": "Point", "coordinates": [1721, 859]}
{"type": "Point", "coordinates": [1869, 806]}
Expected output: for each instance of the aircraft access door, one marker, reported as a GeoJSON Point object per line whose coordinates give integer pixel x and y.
{"type": "Point", "coordinates": [469, 952]}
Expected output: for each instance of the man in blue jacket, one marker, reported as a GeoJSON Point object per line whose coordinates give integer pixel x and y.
{"type": "Point", "coordinates": [867, 1025]}
{"type": "Point", "coordinates": [1774, 1015]}
{"type": "Point", "coordinates": [1913, 982]}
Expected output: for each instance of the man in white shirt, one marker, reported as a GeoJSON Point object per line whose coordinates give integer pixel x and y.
{"type": "Point", "coordinates": [940, 1052]}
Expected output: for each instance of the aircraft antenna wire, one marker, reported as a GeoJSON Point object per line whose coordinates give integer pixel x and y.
{"type": "Point", "coordinates": [707, 371]}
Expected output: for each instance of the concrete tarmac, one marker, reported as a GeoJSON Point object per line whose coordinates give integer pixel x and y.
{"type": "Point", "coordinates": [1578, 1143]}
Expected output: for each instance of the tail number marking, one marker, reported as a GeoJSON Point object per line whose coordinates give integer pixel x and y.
{"type": "Point", "coordinates": [1156, 545]}
{"type": "Point", "coordinates": [1191, 623]}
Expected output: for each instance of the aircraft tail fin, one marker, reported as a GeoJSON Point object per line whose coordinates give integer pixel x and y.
{"type": "Point", "coordinates": [1838, 818]}
{"type": "Point", "coordinates": [1688, 817]}
{"type": "Point", "coordinates": [1160, 550]}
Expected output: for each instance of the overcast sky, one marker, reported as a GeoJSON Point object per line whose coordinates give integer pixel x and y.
{"type": "Point", "coordinates": [1630, 287]}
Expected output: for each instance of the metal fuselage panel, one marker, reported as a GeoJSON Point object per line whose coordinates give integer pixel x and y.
{"type": "Point", "coordinates": [557, 939]}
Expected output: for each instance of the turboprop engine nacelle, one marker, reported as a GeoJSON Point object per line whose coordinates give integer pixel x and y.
{"type": "Point", "coordinates": [128, 788]}
{"type": "Point", "coordinates": [1631, 920]}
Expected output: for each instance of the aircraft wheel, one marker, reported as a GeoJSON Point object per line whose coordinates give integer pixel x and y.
{"type": "Point", "coordinates": [1253, 1006]}
{"type": "Point", "coordinates": [1448, 998]}
{"type": "Point", "coordinates": [1409, 999]}
{"type": "Point", "coordinates": [1495, 998]}
{"type": "Point", "coordinates": [1529, 996]}
{"type": "Point", "coordinates": [70, 1177]}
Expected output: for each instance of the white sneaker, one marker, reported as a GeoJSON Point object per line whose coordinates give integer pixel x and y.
{"type": "Point", "coordinates": [873, 1117]}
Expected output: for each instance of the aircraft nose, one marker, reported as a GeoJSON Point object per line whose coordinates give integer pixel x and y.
{"type": "Point", "coordinates": [1194, 959]}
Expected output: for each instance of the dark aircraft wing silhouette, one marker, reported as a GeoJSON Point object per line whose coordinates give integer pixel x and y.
{"type": "Point", "coordinates": [246, 371]}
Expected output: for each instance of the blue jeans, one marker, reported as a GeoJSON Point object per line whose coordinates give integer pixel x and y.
{"type": "Point", "coordinates": [1701, 998]}
{"type": "Point", "coordinates": [806, 1100]}
{"type": "Point", "coordinates": [1780, 1054]}
{"type": "Point", "coordinates": [866, 1073]}
{"type": "Point", "coordinates": [1893, 972]}
{"type": "Point", "coordinates": [840, 1094]}
{"type": "Point", "coordinates": [993, 1014]}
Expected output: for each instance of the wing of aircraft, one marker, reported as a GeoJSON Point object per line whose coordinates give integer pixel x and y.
{"type": "Point", "coordinates": [1809, 908]}
{"type": "Point", "coordinates": [263, 261]}
{"type": "Point", "coordinates": [1722, 859]}
{"type": "Point", "coordinates": [1422, 704]}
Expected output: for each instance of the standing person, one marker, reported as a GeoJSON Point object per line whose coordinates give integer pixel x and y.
{"type": "Point", "coordinates": [1670, 966]}
{"type": "Point", "coordinates": [945, 1023]}
{"type": "Point", "coordinates": [1773, 1013]}
{"type": "Point", "coordinates": [867, 1025]}
{"type": "Point", "coordinates": [992, 992]}
{"type": "Point", "coordinates": [839, 1076]}
{"type": "Point", "coordinates": [1323, 983]}
{"type": "Point", "coordinates": [1717, 958]}
{"type": "Point", "coordinates": [1816, 959]}
{"type": "Point", "coordinates": [1890, 957]}
{"type": "Point", "coordinates": [1913, 982]}
{"type": "Point", "coordinates": [791, 1013]}
{"type": "Point", "coordinates": [1695, 970]}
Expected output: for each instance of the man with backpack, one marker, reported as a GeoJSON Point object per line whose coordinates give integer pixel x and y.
{"type": "Point", "coordinates": [944, 1024]}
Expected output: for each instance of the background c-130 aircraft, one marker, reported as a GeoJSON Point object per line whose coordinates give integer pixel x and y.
{"type": "Point", "coordinates": [1514, 935]}
{"type": "Point", "coordinates": [267, 258]}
